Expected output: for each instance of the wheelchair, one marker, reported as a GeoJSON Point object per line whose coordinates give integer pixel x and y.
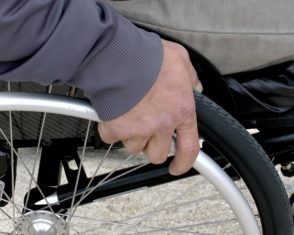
{"type": "Point", "coordinates": [58, 177]}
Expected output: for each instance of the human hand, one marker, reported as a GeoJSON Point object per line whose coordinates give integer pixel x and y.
{"type": "Point", "coordinates": [168, 107]}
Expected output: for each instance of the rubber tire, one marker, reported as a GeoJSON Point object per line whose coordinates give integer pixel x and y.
{"type": "Point", "coordinates": [250, 161]}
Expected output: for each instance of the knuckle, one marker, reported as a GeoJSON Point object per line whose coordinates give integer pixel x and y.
{"type": "Point", "coordinates": [177, 48]}
{"type": "Point", "coordinates": [193, 148]}
{"type": "Point", "coordinates": [145, 132]}
{"type": "Point", "coordinates": [165, 126]}
{"type": "Point", "coordinates": [183, 52]}
{"type": "Point", "coordinates": [188, 112]}
{"type": "Point", "coordinates": [133, 146]}
{"type": "Point", "coordinates": [181, 49]}
{"type": "Point", "coordinates": [104, 134]}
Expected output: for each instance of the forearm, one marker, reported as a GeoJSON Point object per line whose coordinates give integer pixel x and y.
{"type": "Point", "coordinates": [80, 43]}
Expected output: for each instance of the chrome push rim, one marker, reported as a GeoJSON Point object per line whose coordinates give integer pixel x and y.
{"type": "Point", "coordinates": [46, 103]}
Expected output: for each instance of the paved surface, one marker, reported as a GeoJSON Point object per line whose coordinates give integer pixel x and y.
{"type": "Point", "coordinates": [199, 209]}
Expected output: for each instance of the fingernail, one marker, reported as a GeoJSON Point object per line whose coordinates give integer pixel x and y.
{"type": "Point", "coordinates": [199, 87]}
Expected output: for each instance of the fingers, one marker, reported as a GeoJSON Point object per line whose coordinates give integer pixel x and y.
{"type": "Point", "coordinates": [187, 148]}
{"type": "Point", "coordinates": [106, 134]}
{"type": "Point", "coordinates": [158, 148]}
{"type": "Point", "coordinates": [132, 143]}
{"type": "Point", "coordinates": [196, 84]}
{"type": "Point", "coordinates": [111, 132]}
{"type": "Point", "coordinates": [149, 125]}
{"type": "Point", "coordinates": [135, 145]}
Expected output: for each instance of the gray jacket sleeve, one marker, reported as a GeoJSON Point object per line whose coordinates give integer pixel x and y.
{"type": "Point", "coordinates": [81, 43]}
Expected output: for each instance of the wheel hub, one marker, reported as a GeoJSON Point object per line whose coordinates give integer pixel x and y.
{"type": "Point", "coordinates": [41, 223]}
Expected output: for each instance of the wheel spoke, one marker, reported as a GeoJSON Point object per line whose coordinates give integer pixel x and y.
{"type": "Point", "coordinates": [14, 206]}
{"type": "Point", "coordinates": [88, 188]}
{"type": "Point", "coordinates": [6, 214]}
{"type": "Point", "coordinates": [179, 228]}
{"type": "Point", "coordinates": [19, 205]}
{"type": "Point", "coordinates": [27, 169]}
{"type": "Point", "coordinates": [151, 228]}
{"type": "Point", "coordinates": [79, 173]}
{"type": "Point", "coordinates": [11, 158]}
{"type": "Point", "coordinates": [184, 204]}
{"type": "Point", "coordinates": [103, 181]}
{"type": "Point", "coordinates": [170, 230]}
{"type": "Point", "coordinates": [91, 189]}
{"type": "Point", "coordinates": [37, 151]}
{"type": "Point", "coordinates": [153, 212]}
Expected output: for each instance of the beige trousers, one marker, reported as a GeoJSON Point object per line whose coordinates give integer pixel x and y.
{"type": "Point", "coordinates": [235, 35]}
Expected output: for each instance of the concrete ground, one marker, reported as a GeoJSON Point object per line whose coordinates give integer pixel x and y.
{"type": "Point", "coordinates": [198, 208]}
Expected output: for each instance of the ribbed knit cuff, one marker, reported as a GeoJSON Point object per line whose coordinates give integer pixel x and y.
{"type": "Point", "coordinates": [120, 74]}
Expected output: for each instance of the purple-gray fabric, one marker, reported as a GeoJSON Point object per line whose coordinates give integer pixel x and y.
{"type": "Point", "coordinates": [81, 43]}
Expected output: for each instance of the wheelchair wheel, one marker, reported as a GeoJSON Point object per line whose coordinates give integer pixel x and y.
{"type": "Point", "coordinates": [65, 186]}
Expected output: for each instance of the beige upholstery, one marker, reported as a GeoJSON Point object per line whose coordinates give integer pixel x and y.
{"type": "Point", "coordinates": [235, 35]}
